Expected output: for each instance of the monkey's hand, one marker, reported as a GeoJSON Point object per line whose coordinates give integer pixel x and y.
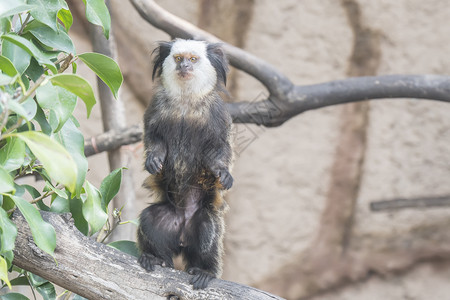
{"type": "Point", "coordinates": [154, 162]}
{"type": "Point", "coordinates": [200, 279]}
{"type": "Point", "coordinates": [225, 178]}
{"type": "Point", "coordinates": [148, 261]}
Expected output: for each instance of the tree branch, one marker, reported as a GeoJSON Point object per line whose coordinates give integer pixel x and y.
{"type": "Point", "coordinates": [273, 112]}
{"type": "Point", "coordinates": [285, 100]}
{"type": "Point", "coordinates": [96, 271]}
{"type": "Point", "coordinates": [397, 204]}
{"type": "Point", "coordinates": [113, 140]}
{"type": "Point", "coordinates": [113, 118]}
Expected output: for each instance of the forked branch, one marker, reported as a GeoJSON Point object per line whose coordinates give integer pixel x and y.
{"type": "Point", "coordinates": [285, 99]}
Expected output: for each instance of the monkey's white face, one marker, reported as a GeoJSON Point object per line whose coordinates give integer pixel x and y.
{"type": "Point", "coordinates": [187, 71]}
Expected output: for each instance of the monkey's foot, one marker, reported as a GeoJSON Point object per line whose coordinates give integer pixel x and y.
{"type": "Point", "coordinates": [200, 279]}
{"type": "Point", "coordinates": [148, 261]}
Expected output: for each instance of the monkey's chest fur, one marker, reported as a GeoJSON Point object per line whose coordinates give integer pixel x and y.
{"type": "Point", "coordinates": [194, 138]}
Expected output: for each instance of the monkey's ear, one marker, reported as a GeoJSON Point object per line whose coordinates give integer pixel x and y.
{"type": "Point", "coordinates": [161, 52]}
{"type": "Point", "coordinates": [219, 61]}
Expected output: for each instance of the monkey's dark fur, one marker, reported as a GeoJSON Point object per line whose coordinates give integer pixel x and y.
{"type": "Point", "coordinates": [188, 154]}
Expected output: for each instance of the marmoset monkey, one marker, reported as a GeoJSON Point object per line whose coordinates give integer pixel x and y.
{"type": "Point", "coordinates": [187, 130]}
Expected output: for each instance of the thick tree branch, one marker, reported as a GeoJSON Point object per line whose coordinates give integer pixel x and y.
{"type": "Point", "coordinates": [273, 112]}
{"type": "Point", "coordinates": [96, 271]}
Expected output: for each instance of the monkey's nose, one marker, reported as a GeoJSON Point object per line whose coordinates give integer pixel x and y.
{"type": "Point", "coordinates": [186, 67]}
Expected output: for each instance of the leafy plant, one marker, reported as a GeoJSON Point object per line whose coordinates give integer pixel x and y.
{"type": "Point", "coordinates": [39, 134]}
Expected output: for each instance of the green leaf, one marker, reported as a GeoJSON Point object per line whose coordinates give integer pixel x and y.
{"type": "Point", "coordinates": [43, 233]}
{"type": "Point", "coordinates": [4, 271]}
{"type": "Point", "coordinates": [46, 12]}
{"type": "Point", "coordinates": [5, 24]}
{"type": "Point", "coordinates": [20, 190]}
{"type": "Point", "coordinates": [14, 296]}
{"type": "Point", "coordinates": [8, 204]}
{"type": "Point", "coordinates": [74, 67]}
{"type": "Point", "coordinates": [105, 68]}
{"type": "Point", "coordinates": [18, 56]}
{"type": "Point", "coordinates": [6, 80]}
{"type": "Point", "coordinates": [59, 40]}
{"type": "Point", "coordinates": [26, 109]}
{"type": "Point", "coordinates": [60, 205]}
{"type": "Point", "coordinates": [12, 154]}
{"type": "Point", "coordinates": [66, 18]}
{"type": "Point", "coordinates": [76, 205]}
{"type": "Point", "coordinates": [57, 99]}
{"type": "Point", "coordinates": [47, 291]}
{"type": "Point", "coordinates": [92, 208]}
{"type": "Point", "coordinates": [97, 13]}
{"type": "Point", "coordinates": [128, 247]}
{"type": "Point", "coordinates": [73, 141]}
{"type": "Point", "coordinates": [9, 257]}
{"type": "Point", "coordinates": [56, 160]}
{"type": "Point", "coordinates": [77, 85]}
{"type": "Point", "coordinates": [34, 70]}
{"type": "Point", "coordinates": [31, 49]}
{"type": "Point", "coordinates": [43, 286]}
{"type": "Point", "coordinates": [34, 193]}
{"type": "Point", "coordinates": [13, 7]}
{"type": "Point", "coordinates": [8, 232]}
{"type": "Point", "coordinates": [36, 280]}
{"type": "Point", "coordinates": [110, 186]}
{"type": "Point", "coordinates": [30, 107]}
{"type": "Point", "coordinates": [50, 187]}
{"type": "Point", "coordinates": [25, 80]}
{"type": "Point", "coordinates": [6, 181]}
{"type": "Point", "coordinates": [42, 120]}
{"type": "Point", "coordinates": [22, 280]}
{"type": "Point", "coordinates": [7, 67]}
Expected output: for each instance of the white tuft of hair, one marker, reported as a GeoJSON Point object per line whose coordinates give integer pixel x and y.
{"type": "Point", "coordinates": [204, 75]}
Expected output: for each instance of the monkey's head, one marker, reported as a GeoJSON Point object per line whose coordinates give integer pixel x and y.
{"type": "Point", "coordinates": [189, 67]}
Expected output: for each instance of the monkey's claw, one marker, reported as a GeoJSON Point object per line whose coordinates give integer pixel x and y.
{"type": "Point", "coordinates": [225, 179]}
{"type": "Point", "coordinates": [153, 164]}
{"type": "Point", "coordinates": [200, 278]}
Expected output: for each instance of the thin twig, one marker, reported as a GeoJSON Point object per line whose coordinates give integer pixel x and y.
{"type": "Point", "coordinates": [42, 197]}
{"type": "Point", "coordinates": [67, 61]}
{"type": "Point", "coordinates": [402, 203]}
{"type": "Point", "coordinates": [5, 114]}
{"type": "Point", "coordinates": [24, 24]}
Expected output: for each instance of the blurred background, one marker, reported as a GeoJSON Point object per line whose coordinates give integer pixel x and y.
{"type": "Point", "coordinates": [300, 223]}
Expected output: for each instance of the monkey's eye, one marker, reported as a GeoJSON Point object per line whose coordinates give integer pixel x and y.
{"type": "Point", "coordinates": [193, 59]}
{"type": "Point", "coordinates": [178, 58]}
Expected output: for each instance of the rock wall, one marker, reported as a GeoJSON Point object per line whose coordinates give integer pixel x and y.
{"type": "Point", "coordinates": [285, 176]}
